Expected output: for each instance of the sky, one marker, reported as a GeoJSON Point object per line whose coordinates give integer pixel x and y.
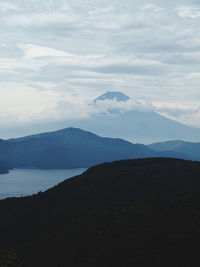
{"type": "Point", "coordinates": [56, 56]}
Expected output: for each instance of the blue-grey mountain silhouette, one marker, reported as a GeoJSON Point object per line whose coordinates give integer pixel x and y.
{"type": "Point", "coordinates": [137, 125]}
{"type": "Point", "coordinates": [189, 149]}
{"type": "Point", "coordinates": [71, 148]}
{"type": "Point", "coordinates": [118, 96]}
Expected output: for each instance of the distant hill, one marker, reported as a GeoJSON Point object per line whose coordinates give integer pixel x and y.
{"type": "Point", "coordinates": [3, 167]}
{"type": "Point", "coordinates": [189, 149]}
{"type": "Point", "coordinates": [129, 213]}
{"type": "Point", "coordinates": [70, 148]}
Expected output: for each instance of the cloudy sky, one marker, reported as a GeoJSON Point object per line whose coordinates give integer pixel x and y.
{"type": "Point", "coordinates": [57, 55]}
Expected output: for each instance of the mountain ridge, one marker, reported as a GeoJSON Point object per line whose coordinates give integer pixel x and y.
{"type": "Point", "coordinates": [68, 148]}
{"type": "Point", "coordinates": [190, 149]}
{"type": "Point", "coordinates": [72, 148]}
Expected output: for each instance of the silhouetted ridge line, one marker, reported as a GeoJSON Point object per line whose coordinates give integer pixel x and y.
{"type": "Point", "coordinates": [71, 148]}
{"type": "Point", "coordinates": [142, 212]}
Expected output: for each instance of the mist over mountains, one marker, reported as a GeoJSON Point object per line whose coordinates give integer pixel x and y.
{"type": "Point", "coordinates": [114, 114]}
{"type": "Point", "coordinates": [75, 148]}
{"type": "Point", "coordinates": [131, 120]}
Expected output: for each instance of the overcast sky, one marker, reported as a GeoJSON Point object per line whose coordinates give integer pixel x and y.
{"type": "Point", "coordinates": [56, 55]}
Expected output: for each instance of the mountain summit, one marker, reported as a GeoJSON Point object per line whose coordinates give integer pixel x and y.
{"type": "Point", "coordinates": [118, 96]}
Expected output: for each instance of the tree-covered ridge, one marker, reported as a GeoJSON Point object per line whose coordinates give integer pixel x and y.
{"type": "Point", "coordinates": [10, 259]}
{"type": "Point", "coordinates": [70, 148]}
{"type": "Point", "coordinates": [141, 212]}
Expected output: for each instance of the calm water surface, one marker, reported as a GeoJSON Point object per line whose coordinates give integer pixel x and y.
{"type": "Point", "coordinates": [24, 182]}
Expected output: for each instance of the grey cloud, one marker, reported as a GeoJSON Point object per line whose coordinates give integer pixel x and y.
{"type": "Point", "coordinates": [176, 112]}
{"type": "Point", "coordinates": [124, 32]}
{"type": "Point", "coordinates": [131, 69]}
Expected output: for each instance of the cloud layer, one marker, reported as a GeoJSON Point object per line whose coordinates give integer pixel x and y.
{"type": "Point", "coordinates": [55, 56]}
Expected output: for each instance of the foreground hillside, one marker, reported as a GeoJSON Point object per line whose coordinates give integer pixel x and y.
{"type": "Point", "coordinates": [129, 213]}
{"type": "Point", "coordinates": [70, 148]}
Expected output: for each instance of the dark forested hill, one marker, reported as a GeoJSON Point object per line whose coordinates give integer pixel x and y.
{"type": "Point", "coordinates": [189, 149]}
{"type": "Point", "coordinates": [141, 212]}
{"type": "Point", "coordinates": [70, 148]}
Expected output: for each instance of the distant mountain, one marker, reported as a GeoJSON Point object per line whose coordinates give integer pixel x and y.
{"type": "Point", "coordinates": [189, 149]}
{"type": "Point", "coordinates": [128, 213]}
{"type": "Point", "coordinates": [138, 125]}
{"type": "Point", "coordinates": [118, 96]}
{"type": "Point", "coordinates": [69, 148]}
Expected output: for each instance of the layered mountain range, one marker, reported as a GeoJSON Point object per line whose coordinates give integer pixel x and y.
{"type": "Point", "coordinates": [189, 149]}
{"type": "Point", "coordinates": [76, 148]}
{"type": "Point", "coordinates": [117, 115]}
{"type": "Point", "coordinates": [71, 148]}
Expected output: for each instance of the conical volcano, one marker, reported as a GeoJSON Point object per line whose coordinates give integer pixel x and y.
{"type": "Point", "coordinates": [117, 96]}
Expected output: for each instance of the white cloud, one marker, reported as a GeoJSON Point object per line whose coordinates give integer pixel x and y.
{"type": "Point", "coordinates": [33, 51]}
{"type": "Point", "coordinates": [5, 7]}
{"type": "Point", "coordinates": [41, 19]}
{"type": "Point", "coordinates": [149, 50]}
{"type": "Point", "coordinates": [22, 104]}
{"type": "Point", "coordinates": [65, 7]}
{"type": "Point", "coordinates": [189, 12]}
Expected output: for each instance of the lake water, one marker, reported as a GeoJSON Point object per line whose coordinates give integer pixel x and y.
{"type": "Point", "coordinates": [24, 182]}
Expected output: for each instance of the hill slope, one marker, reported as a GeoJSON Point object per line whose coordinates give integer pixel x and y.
{"type": "Point", "coordinates": [68, 148]}
{"type": "Point", "coordinates": [4, 167]}
{"type": "Point", "coordinates": [189, 149]}
{"type": "Point", "coordinates": [129, 213]}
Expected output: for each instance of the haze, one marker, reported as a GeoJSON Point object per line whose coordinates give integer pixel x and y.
{"type": "Point", "coordinates": [56, 56]}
